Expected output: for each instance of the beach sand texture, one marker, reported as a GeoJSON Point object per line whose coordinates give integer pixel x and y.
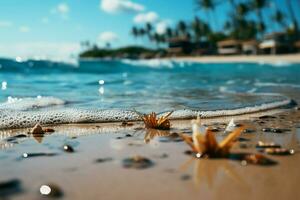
{"type": "Point", "coordinates": [280, 59]}
{"type": "Point", "coordinates": [95, 170]}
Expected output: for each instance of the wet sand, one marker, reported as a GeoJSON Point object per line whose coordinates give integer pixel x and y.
{"type": "Point", "coordinates": [95, 170]}
{"type": "Point", "coordinates": [273, 59]}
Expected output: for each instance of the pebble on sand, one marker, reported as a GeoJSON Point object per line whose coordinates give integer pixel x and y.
{"type": "Point", "coordinates": [37, 130]}
{"type": "Point", "coordinates": [137, 162]}
{"type": "Point", "coordinates": [51, 190]}
{"type": "Point", "coordinates": [68, 148]}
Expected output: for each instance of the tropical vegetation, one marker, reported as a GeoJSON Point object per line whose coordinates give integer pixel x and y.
{"type": "Point", "coordinates": [247, 20]}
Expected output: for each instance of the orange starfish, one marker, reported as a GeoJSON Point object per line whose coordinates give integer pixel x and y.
{"type": "Point", "coordinates": [206, 145]}
{"type": "Point", "coordinates": [151, 121]}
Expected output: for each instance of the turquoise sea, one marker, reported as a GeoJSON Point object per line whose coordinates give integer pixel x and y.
{"type": "Point", "coordinates": [142, 85]}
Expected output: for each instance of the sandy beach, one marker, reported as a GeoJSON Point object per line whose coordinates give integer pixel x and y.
{"type": "Point", "coordinates": [95, 169]}
{"type": "Point", "coordinates": [272, 59]}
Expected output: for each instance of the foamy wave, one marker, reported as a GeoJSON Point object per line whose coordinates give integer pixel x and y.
{"type": "Point", "coordinates": [30, 103]}
{"type": "Point", "coordinates": [14, 118]}
{"type": "Point", "coordinates": [278, 63]}
{"type": "Point", "coordinates": [186, 113]}
{"type": "Point", "coordinates": [153, 63]}
{"type": "Point", "coordinates": [21, 119]}
{"type": "Point", "coordinates": [268, 84]}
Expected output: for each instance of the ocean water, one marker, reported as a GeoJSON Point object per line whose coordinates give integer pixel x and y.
{"type": "Point", "coordinates": [103, 90]}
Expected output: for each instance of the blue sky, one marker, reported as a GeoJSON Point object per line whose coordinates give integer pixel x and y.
{"type": "Point", "coordinates": [49, 28]}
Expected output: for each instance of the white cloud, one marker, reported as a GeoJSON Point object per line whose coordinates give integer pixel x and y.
{"type": "Point", "coordinates": [5, 24]}
{"type": "Point", "coordinates": [45, 20]}
{"type": "Point", "coordinates": [116, 6]}
{"type": "Point", "coordinates": [162, 26]}
{"type": "Point", "coordinates": [62, 9]}
{"type": "Point", "coordinates": [108, 36]}
{"type": "Point", "coordinates": [40, 50]}
{"type": "Point", "coordinates": [24, 29]}
{"type": "Point", "coordinates": [142, 18]}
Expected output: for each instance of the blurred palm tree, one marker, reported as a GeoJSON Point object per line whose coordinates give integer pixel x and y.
{"type": "Point", "coordinates": [135, 32]}
{"type": "Point", "coordinates": [258, 6]}
{"type": "Point", "coordinates": [169, 32]}
{"type": "Point", "coordinates": [228, 26]}
{"type": "Point", "coordinates": [279, 18]}
{"type": "Point", "coordinates": [208, 6]}
{"type": "Point", "coordinates": [293, 17]}
{"type": "Point", "coordinates": [200, 29]}
{"type": "Point", "coordinates": [142, 32]}
{"type": "Point", "coordinates": [242, 10]}
{"type": "Point", "coordinates": [196, 27]}
{"type": "Point", "coordinates": [148, 28]}
{"type": "Point", "coordinates": [158, 39]}
{"type": "Point", "coordinates": [238, 26]}
{"type": "Point", "coordinates": [182, 28]}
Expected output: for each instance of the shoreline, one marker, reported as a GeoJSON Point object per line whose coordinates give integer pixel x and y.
{"type": "Point", "coordinates": [112, 127]}
{"type": "Point", "coordinates": [265, 59]}
{"type": "Point", "coordinates": [280, 60]}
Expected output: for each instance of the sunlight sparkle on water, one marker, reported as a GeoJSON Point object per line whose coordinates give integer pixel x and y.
{"type": "Point", "coordinates": [101, 82]}
{"type": "Point", "coordinates": [101, 90]}
{"type": "Point", "coordinates": [19, 59]}
{"type": "Point", "coordinates": [4, 85]}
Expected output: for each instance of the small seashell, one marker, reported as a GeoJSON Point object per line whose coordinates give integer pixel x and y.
{"type": "Point", "coordinates": [267, 130]}
{"type": "Point", "coordinates": [51, 190]}
{"type": "Point", "coordinates": [68, 148]}
{"type": "Point", "coordinates": [125, 123]}
{"type": "Point", "coordinates": [257, 159]}
{"type": "Point", "coordinates": [279, 151]}
{"type": "Point", "coordinates": [261, 144]}
{"type": "Point", "coordinates": [49, 130]}
{"type": "Point", "coordinates": [275, 130]}
{"type": "Point", "coordinates": [231, 126]}
{"type": "Point", "coordinates": [248, 131]}
{"type": "Point", "coordinates": [37, 129]}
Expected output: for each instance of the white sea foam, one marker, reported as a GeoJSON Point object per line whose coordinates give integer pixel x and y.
{"type": "Point", "coordinates": [188, 114]}
{"type": "Point", "coordinates": [251, 91]}
{"type": "Point", "coordinates": [153, 63]}
{"type": "Point", "coordinates": [18, 117]}
{"type": "Point", "coordinates": [30, 103]}
{"type": "Point", "coordinates": [269, 84]}
{"type": "Point", "coordinates": [276, 63]}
